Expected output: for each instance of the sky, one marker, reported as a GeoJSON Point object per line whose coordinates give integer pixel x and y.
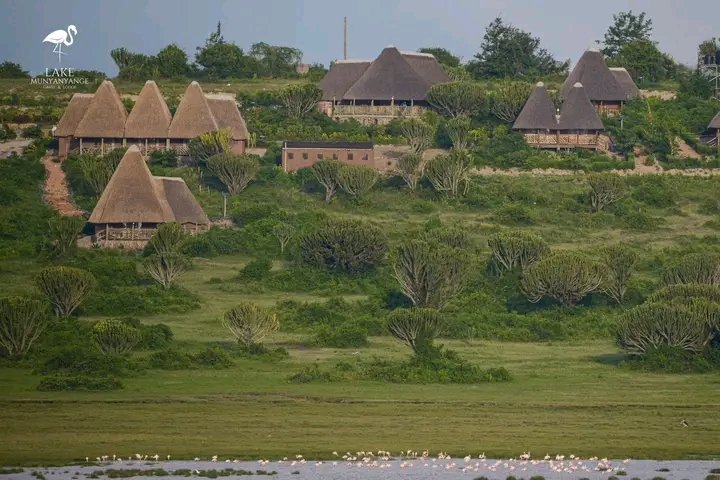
{"type": "Point", "coordinates": [566, 27]}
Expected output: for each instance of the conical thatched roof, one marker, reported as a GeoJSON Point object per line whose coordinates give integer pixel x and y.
{"type": "Point", "coordinates": [227, 115]}
{"type": "Point", "coordinates": [577, 113]}
{"type": "Point", "coordinates": [193, 116]}
{"type": "Point", "coordinates": [715, 122]}
{"type": "Point", "coordinates": [389, 76]}
{"type": "Point", "coordinates": [133, 195]}
{"type": "Point", "coordinates": [597, 79]}
{"type": "Point", "coordinates": [179, 198]}
{"type": "Point", "coordinates": [74, 112]}
{"type": "Point", "coordinates": [538, 112]}
{"type": "Point", "coordinates": [105, 116]}
{"type": "Point", "coordinates": [150, 117]}
{"type": "Point", "coordinates": [427, 66]}
{"type": "Point", "coordinates": [626, 82]}
{"type": "Point", "coordinates": [130, 195]}
{"type": "Point", "coordinates": [341, 76]}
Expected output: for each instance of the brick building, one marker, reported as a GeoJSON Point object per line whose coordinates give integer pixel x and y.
{"type": "Point", "coordinates": [297, 155]}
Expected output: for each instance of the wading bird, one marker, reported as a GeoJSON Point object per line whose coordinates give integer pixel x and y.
{"type": "Point", "coordinates": [60, 37]}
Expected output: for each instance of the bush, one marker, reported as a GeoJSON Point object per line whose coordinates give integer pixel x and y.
{"type": "Point", "coordinates": [170, 359]}
{"type": "Point", "coordinates": [566, 277]}
{"type": "Point", "coordinates": [55, 383]}
{"type": "Point", "coordinates": [80, 358]}
{"type": "Point", "coordinates": [250, 323]}
{"type": "Point", "coordinates": [22, 320]}
{"type": "Point", "coordinates": [153, 336]}
{"type": "Point", "coordinates": [516, 248]}
{"type": "Point", "coordinates": [164, 158]}
{"type": "Point", "coordinates": [415, 327]}
{"type": "Point", "coordinates": [65, 287]}
{"type": "Point", "coordinates": [345, 336]}
{"type": "Point", "coordinates": [348, 246]}
{"type": "Point", "coordinates": [33, 131]}
{"type": "Point", "coordinates": [256, 269]}
{"type": "Point", "coordinates": [606, 189]}
{"type": "Point", "coordinates": [212, 358]}
{"type": "Point", "coordinates": [674, 360]}
{"type": "Point", "coordinates": [694, 268]}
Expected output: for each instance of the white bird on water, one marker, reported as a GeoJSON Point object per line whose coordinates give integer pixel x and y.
{"type": "Point", "coordinates": [60, 38]}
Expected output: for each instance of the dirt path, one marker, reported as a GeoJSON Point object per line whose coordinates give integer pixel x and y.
{"type": "Point", "coordinates": [56, 189]}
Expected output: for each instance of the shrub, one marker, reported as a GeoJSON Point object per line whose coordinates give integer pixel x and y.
{"type": "Point", "coordinates": [212, 358]}
{"type": "Point", "coordinates": [357, 180]}
{"type": "Point", "coordinates": [22, 320]}
{"type": "Point", "coordinates": [115, 337]}
{"type": "Point", "coordinates": [65, 287]}
{"type": "Point", "coordinates": [169, 359]}
{"type": "Point", "coordinates": [250, 323]}
{"type": "Point", "coordinates": [62, 382]}
{"type": "Point", "coordinates": [674, 360]}
{"type": "Point", "coordinates": [166, 268]}
{"type": "Point", "coordinates": [688, 326]}
{"type": "Point", "coordinates": [164, 158]}
{"type": "Point", "coordinates": [418, 133]}
{"type": "Point", "coordinates": [684, 292]}
{"type": "Point", "coordinates": [64, 231]}
{"type": "Point", "coordinates": [256, 269]}
{"type": "Point", "coordinates": [514, 214]}
{"type": "Point", "coordinates": [167, 239]}
{"type": "Point", "coordinates": [234, 171]}
{"type": "Point", "coordinates": [153, 336]}
{"type": "Point", "coordinates": [619, 264]}
{"type": "Point", "coordinates": [327, 174]}
{"type": "Point", "coordinates": [348, 335]}
{"type": "Point", "coordinates": [348, 246]}
{"type": "Point", "coordinates": [415, 327]}
{"type": "Point", "coordinates": [208, 144]}
{"type": "Point", "coordinates": [606, 189]}
{"type": "Point", "coordinates": [450, 173]}
{"type": "Point", "coordinates": [517, 248]}
{"type": "Point", "coordinates": [566, 277]}
{"type": "Point", "coordinates": [409, 167]}
{"type": "Point", "coordinates": [694, 268]}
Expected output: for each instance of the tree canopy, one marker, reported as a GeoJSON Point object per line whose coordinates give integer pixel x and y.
{"type": "Point", "coordinates": [626, 27]}
{"type": "Point", "coordinates": [507, 51]}
{"type": "Point", "coordinates": [442, 55]}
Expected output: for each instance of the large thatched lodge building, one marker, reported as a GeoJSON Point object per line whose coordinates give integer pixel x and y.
{"type": "Point", "coordinates": [98, 123]}
{"type": "Point", "coordinates": [135, 202]}
{"type": "Point", "coordinates": [374, 92]}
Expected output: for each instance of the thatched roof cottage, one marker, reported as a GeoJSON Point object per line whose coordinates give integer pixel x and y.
{"type": "Point", "coordinates": [100, 122]}
{"type": "Point", "coordinates": [135, 202]}
{"type": "Point", "coordinates": [715, 125]}
{"type": "Point", "coordinates": [606, 89]}
{"type": "Point", "coordinates": [392, 85]}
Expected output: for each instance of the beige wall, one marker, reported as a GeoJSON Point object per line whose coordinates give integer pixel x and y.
{"type": "Point", "coordinates": [293, 159]}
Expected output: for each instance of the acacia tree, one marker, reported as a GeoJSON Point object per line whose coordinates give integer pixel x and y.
{"type": "Point", "coordinates": [418, 133]}
{"type": "Point", "coordinates": [298, 100]}
{"type": "Point", "coordinates": [250, 323]}
{"type": "Point", "coordinates": [508, 99]}
{"type": "Point", "coordinates": [204, 146]}
{"type": "Point", "coordinates": [357, 180]}
{"type": "Point", "coordinates": [115, 337]}
{"type": "Point", "coordinates": [22, 320]}
{"type": "Point", "coordinates": [415, 327]}
{"type": "Point", "coordinates": [327, 173]}
{"type": "Point", "coordinates": [626, 27]}
{"type": "Point", "coordinates": [430, 274]}
{"type": "Point", "coordinates": [516, 248]}
{"type": "Point", "coordinates": [619, 264]}
{"type": "Point", "coordinates": [65, 287]}
{"type": "Point", "coordinates": [458, 129]}
{"type": "Point", "coordinates": [283, 232]}
{"type": "Point", "coordinates": [566, 277]}
{"type": "Point", "coordinates": [606, 189]}
{"type": "Point", "coordinates": [450, 173]}
{"type": "Point", "coordinates": [456, 99]}
{"type": "Point", "coordinates": [64, 231]}
{"type": "Point", "coordinates": [234, 171]}
{"type": "Point", "coordinates": [409, 167]}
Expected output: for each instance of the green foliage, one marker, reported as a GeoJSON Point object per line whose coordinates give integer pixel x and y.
{"type": "Point", "coordinates": [22, 320]}
{"type": "Point", "coordinates": [283, 232]}
{"type": "Point", "coordinates": [619, 262]}
{"type": "Point", "coordinates": [458, 129]}
{"type": "Point", "coordinates": [627, 27]}
{"type": "Point", "coordinates": [644, 62]}
{"type": "Point", "coordinates": [694, 268]}
{"type": "Point", "coordinates": [208, 144]}
{"type": "Point", "coordinates": [508, 52]}
{"type": "Point", "coordinates": [442, 55]}
{"type": "Point", "coordinates": [298, 100]}
{"type": "Point", "coordinates": [508, 98]}
{"type": "Point", "coordinates": [667, 359]}
{"type": "Point", "coordinates": [450, 173]}
{"type": "Point", "coordinates": [409, 167]}
{"type": "Point", "coordinates": [516, 249]}
{"type": "Point", "coordinates": [683, 292]}
{"type": "Point", "coordinates": [250, 323]}
{"type": "Point", "coordinates": [688, 326]}
{"type": "Point", "coordinates": [327, 174]}
{"type": "Point", "coordinates": [348, 335]}
{"type": "Point", "coordinates": [418, 133]}
{"type": "Point", "coordinates": [348, 246]}
{"type": "Point", "coordinates": [64, 231]}
{"type": "Point", "coordinates": [164, 158]}
{"type": "Point", "coordinates": [220, 59]}
{"type": "Point", "coordinates": [357, 180]}
{"type": "Point", "coordinates": [114, 337]}
{"type": "Point", "coordinates": [606, 189]}
{"type": "Point", "coordinates": [256, 269]}
{"type": "Point", "coordinates": [415, 327]}
{"type": "Point", "coordinates": [566, 277]}
{"type": "Point", "coordinates": [166, 268]}
{"type": "Point", "coordinates": [65, 287]}
{"type": "Point", "coordinates": [7, 133]}
{"type": "Point", "coordinates": [33, 131]}
{"type": "Point", "coordinates": [78, 382]}
{"type": "Point", "coordinates": [12, 70]}
{"type": "Point", "coordinates": [456, 99]}
{"type": "Point", "coordinates": [234, 171]}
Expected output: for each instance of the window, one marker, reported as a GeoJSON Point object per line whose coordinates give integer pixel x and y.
{"type": "Point", "coordinates": [365, 157]}
{"type": "Point", "coordinates": [319, 156]}
{"type": "Point", "coordinates": [334, 156]}
{"type": "Point", "coordinates": [290, 155]}
{"type": "Point", "coordinates": [350, 156]}
{"type": "Point", "coordinates": [305, 156]}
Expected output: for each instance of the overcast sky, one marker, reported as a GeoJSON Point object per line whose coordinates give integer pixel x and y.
{"type": "Point", "coordinates": [565, 27]}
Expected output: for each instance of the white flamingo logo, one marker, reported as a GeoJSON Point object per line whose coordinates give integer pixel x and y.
{"type": "Point", "coordinates": [60, 38]}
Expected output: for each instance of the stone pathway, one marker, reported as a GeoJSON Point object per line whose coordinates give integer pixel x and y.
{"type": "Point", "coordinates": [56, 189]}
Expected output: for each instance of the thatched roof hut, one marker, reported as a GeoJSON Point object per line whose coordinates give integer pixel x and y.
{"type": "Point", "coordinates": [133, 195]}
{"type": "Point", "coordinates": [427, 66]}
{"type": "Point", "coordinates": [599, 82]}
{"type": "Point", "coordinates": [341, 76]}
{"type": "Point", "coordinates": [150, 117]}
{"type": "Point", "coordinates": [105, 115]}
{"type": "Point", "coordinates": [227, 115]}
{"type": "Point", "coordinates": [626, 82]}
{"type": "Point", "coordinates": [193, 116]}
{"type": "Point", "coordinates": [577, 112]}
{"type": "Point", "coordinates": [389, 77]}
{"type": "Point", "coordinates": [74, 112]}
{"type": "Point", "coordinates": [538, 112]}
{"type": "Point", "coordinates": [715, 122]}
